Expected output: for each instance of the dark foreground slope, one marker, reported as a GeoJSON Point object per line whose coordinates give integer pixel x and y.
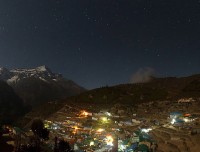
{"type": "Point", "coordinates": [11, 106]}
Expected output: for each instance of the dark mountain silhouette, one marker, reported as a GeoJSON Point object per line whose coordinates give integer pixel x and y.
{"type": "Point", "coordinates": [39, 84]}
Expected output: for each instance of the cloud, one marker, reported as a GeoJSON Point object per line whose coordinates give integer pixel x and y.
{"type": "Point", "coordinates": [143, 75]}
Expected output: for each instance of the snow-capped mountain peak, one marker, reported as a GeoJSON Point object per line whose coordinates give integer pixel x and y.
{"type": "Point", "coordinates": [42, 68]}
{"type": "Point", "coordinates": [40, 84]}
{"type": "Point", "coordinates": [14, 75]}
{"type": "Point", "coordinates": [32, 70]}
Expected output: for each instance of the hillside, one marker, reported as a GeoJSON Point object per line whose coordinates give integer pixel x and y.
{"type": "Point", "coordinates": [158, 89]}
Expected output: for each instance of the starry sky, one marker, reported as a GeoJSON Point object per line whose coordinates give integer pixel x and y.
{"type": "Point", "coordinates": [101, 42]}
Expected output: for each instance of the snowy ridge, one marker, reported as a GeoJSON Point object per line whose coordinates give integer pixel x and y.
{"type": "Point", "coordinates": [15, 75]}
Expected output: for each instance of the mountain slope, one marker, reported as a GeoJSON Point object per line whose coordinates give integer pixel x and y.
{"type": "Point", "coordinates": [158, 89]}
{"type": "Point", "coordinates": [11, 106]}
{"type": "Point", "coordinates": [39, 84]}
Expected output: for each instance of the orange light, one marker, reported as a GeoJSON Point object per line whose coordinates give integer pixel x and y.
{"type": "Point", "coordinates": [100, 130]}
{"type": "Point", "coordinates": [187, 115]}
{"type": "Point", "coordinates": [84, 113]}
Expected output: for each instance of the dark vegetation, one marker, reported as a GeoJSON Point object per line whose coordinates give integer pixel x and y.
{"type": "Point", "coordinates": [39, 130]}
{"type": "Point", "coordinates": [41, 134]}
{"type": "Point", "coordinates": [4, 147]}
{"type": "Point", "coordinates": [63, 146]}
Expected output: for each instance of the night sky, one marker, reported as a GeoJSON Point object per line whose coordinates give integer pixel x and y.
{"type": "Point", "coordinates": [101, 42]}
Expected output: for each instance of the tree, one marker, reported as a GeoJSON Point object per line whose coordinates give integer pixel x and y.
{"type": "Point", "coordinates": [37, 126]}
{"type": "Point", "coordinates": [45, 134]}
{"type": "Point", "coordinates": [38, 129]}
{"type": "Point", "coordinates": [28, 149]}
{"type": "Point", "coordinates": [40, 132]}
{"type": "Point", "coordinates": [64, 146]}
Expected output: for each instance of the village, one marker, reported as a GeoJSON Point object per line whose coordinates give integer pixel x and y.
{"type": "Point", "coordinates": [145, 127]}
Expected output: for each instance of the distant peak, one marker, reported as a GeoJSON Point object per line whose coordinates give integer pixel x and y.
{"type": "Point", "coordinates": [40, 72]}
{"type": "Point", "coordinates": [42, 68]}
{"type": "Point", "coordinates": [3, 68]}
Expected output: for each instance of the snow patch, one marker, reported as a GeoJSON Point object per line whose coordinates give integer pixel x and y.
{"type": "Point", "coordinates": [14, 79]}
{"type": "Point", "coordinates": [41, 72]}
{"type": "Point", "coordinates": [42, 79]}
{"type": "Point", "coordinates": [42, 68]}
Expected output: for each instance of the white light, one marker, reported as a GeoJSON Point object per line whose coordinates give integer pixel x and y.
{"type": "Point", "coordinates": [186, 119]}
{"type": "Point", "coordinates": [146, 130]}
{"type": "Point", "coordinates": [92, 143]}
{"type": "Point", "coordinates": [122, 147]}
{"type": "Point", "coordinates": [173, 121]}
{"type": "Point", "coordinates": [108, 113]}
{"type": "Point", "coordinates": [100, 130]}
{"type": "Point", "coordinates": [104, 119]}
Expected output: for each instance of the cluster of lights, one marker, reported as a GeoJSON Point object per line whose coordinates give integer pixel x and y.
{"type": "Point", "coordinates": [109, 140]}
{"type": "Point", "coordinates": [84, 113]}
{"type": "Point", "coordinates": [75, 129]}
